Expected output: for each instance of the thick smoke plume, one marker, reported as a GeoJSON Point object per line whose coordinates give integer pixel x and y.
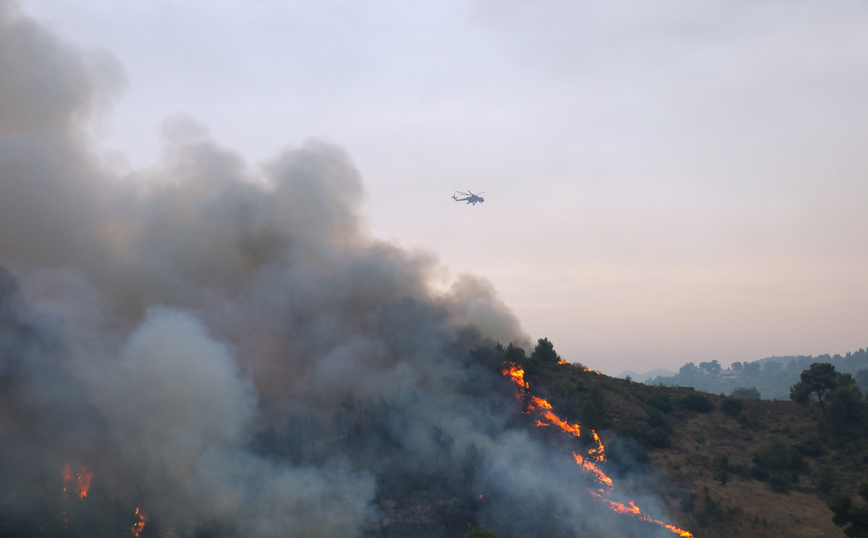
{"type": "Point", "coordinates": [225, 346]}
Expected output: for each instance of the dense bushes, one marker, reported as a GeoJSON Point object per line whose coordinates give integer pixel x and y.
{"type": "Point", "coordinates": [695, 402]}
{"type": "Point", "coordinates": [846, 513]}
{"type": "Point", "coordinates": [732, 407]}
{"type": "Point", "coordinates": [745, 392]}
{"type": "Point", "coordinates": [594, 413]}
{"type": "Point", "coordinates": [660, 399]}
{"type": "Point", "coordinates": [657, 433]}
{"type": "Point", "coordinates": [779, 464]}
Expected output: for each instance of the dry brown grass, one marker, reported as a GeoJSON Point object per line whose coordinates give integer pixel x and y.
{"type": "Point", "coordinates": [741, 507]}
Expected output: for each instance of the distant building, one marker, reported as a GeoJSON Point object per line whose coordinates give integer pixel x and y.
{"type": "Point", "coordinates": [731, 374]}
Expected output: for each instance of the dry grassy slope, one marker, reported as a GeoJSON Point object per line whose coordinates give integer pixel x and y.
{"type": "Point", "coordinates": [745, 508]}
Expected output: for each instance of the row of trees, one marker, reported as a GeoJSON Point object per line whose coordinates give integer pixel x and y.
{"type": "Point", "coordinates": [771, 377]}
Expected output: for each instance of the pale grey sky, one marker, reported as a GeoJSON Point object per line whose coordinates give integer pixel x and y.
{"type": "Point", "coordinates": [666, 181]}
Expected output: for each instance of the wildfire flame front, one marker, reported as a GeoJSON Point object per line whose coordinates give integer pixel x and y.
{"type": "Point", "coordinates": [598, 455]}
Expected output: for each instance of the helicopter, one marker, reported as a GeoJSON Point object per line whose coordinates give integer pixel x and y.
{"type": "Point", "coordinates": [469, 197]}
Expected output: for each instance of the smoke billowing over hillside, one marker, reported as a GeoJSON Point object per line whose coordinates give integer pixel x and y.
{"type": "Point", "coordinates": [226, 347]}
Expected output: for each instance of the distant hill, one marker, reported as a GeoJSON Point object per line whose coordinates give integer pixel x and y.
{"type": "Point", "coordinates": [771, 376]}
{"type": "Point", "coordinates": [657, 372]}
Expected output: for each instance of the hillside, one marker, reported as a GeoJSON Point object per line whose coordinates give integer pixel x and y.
{"type": "Point", "coordinates": [713, 466]}
{"type": "Point", "coordinates": [725, 466]}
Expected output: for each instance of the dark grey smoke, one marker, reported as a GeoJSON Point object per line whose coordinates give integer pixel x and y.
{"type": "Point", "coordinates": [226, 346]}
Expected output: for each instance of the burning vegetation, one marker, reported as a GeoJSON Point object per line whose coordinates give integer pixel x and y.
{"type": "Point", "coordinates": [77, 483]}
{"type": "Point", "coordinates": [595, 456]}
{"type": "Point", "coordinates": [139, 525]}
{"type": "Point", "coordinates": [241, 357]}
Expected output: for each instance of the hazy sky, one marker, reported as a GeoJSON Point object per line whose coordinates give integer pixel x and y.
{"type": "Point", "coordinates": [666, 181]}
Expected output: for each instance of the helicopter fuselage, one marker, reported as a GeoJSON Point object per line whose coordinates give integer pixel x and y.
{"type": "Point", "coordinates": [469, 197]}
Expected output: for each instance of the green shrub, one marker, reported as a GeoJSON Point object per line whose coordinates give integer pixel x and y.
{"type": "Point", "coordinates": [745, 392]}
{"type": "Point", "coordinates": [594, 413]}
{"type": "Point", "coordinates": [811, 447]}
{"type": "Point", "coordinates": [777, 455]}
{"type": "Point", "coordinates": [827, 480]}
{"type": "Point", "coordinates": [781, 481]}
{"type": "Point", "coordinates": [660, 399]}
{"type": "Point", "coordinates": [649, 438]}
{"type": "Point", "coordinates": [779, 464]}
{"type": "Point", "coordinates": [720, 465]}
{"type": "Point", "coordinates": [732, 407]}
{"type": "Point", "coordinates": [656, 419]}
{"type": "Point", "coordinates": [695, 402]}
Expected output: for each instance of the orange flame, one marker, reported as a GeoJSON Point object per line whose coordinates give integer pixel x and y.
{"type": "Point", "coordinates": [593, 371]}
{"type": "Point", "coordinates": [565, 426]}
{"type": "Point", "coordinates": [517, 374]}
{"type": "Point", "coordinates": [538, 403]}
{"type": "Point", "coordinates": [634, 510]}
{"type": "Point", "coordinates": [591, 468]}
{"type": "Point", "coordinates": [137, 527]}
{"type": "Point", "coordinates": [80, 481]}
{"type": "Point", "coordinates": [598, 454]}
{"type": "Point", "coordinates": [81, 484]}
